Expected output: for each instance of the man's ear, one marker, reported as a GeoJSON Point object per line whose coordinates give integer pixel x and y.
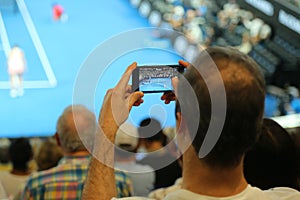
{"type": "Point", "coordinates": [57, 139]}
{"type": "Point", "coordinates": [180, 124]}
{"type": "Point", "coordinates": [178, 120]}
{"type": "Point", "coordinates": [183, 136]}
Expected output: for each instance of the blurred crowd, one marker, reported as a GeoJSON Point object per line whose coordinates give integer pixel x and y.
{"type": "Point", "coordinates": [147, 160]}
{"type": "Point", "coordinates": [204, 23]}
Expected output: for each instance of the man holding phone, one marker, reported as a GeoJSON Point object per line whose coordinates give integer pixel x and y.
{"type": "Point", "coordinates": [212, 174]}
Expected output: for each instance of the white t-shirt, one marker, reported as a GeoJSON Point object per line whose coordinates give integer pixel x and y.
{"type": "Point", "coordinates": [3, 195]}
{"type": "Point", "coordinates": [283, 193]}
{"type": "Point", "coordinates": [250, 193]}
{"type": "Point", "coordinates": [11, 184]}
{"type": "Point", "coordinates": [160, 193]}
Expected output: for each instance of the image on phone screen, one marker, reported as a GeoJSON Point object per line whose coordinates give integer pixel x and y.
{"type": "Point", "coordinates": [152, 79]}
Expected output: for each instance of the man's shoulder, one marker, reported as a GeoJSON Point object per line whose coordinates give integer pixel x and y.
{"type": "Point", "coordinates": [38, 175]}
{"type": "Point", "coordinates": [67, 177]}
{"type": "Point", "coordinates": [62, 171]}
{"type": "Point", "coordinates": [54, 184]}
{"type": "Point", "coordinates": [248, 194]}
{"type": "Point", "coordinates": [283, 193]}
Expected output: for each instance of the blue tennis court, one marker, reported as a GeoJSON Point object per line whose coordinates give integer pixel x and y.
{"type": "Point", "coordinates": [55, 52]}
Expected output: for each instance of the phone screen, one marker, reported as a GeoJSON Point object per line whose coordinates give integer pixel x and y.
{"type": "Point", "coordinates": [152, 79]}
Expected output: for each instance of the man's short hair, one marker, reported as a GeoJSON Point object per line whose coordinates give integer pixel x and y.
{"type": "Point", "coordinates": [76, 128]}
{"type": "Point", "coordinates": [245, 94]}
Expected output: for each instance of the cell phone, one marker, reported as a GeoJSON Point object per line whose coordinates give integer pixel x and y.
{"type": "Point", "coordinates": [155, 78]}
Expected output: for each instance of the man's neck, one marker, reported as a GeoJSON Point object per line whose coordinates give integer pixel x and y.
{"type": "Point", "coordinates": [201, 179]}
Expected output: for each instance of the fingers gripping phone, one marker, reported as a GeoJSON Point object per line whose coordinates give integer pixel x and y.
{"type": "Point", "coordinates": [155, 78]}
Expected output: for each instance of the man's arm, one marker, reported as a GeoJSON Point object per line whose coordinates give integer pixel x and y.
{"type": "Point", "coordinates": [100, 183]}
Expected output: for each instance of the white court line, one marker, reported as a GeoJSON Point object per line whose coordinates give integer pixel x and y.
{"type": "Point", "coordinates": [4, 38]}
{"type": "Point", "coordinates": [37, 43]}
{"type": "Point", "coordinates": [28, 84]}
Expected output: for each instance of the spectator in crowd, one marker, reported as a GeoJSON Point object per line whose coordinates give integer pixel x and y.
{"type": "Point", "coordinates": [49, 155]}
{"type": "Point", "coordinates": [75, 128]}
{"type": "Point", "coordinates": [20, 153]}
{"type": "Point", "coordinates": [4, 155]}
{"type": "Point", "coordinates": [272, 161]}
{"type": "Point", "coordinates": [167, 168]}
{"type": "Point", "coordinates": [218, 174]}
{"type": "Point", "coordinates": [142, 176]}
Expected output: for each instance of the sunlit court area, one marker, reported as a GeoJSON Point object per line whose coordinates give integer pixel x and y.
{"type": "Point", "coordinates": [102, 38]}
{"type": "Point", "coordinates": [55, 54]}
{"type": "Point", "coordinates": [55, 50]}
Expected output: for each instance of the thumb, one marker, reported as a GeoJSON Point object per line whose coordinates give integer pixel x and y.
{"type": "Point", "coordinates": [135, 97]}
{"type": "Point", "coordinates": [175, 84]}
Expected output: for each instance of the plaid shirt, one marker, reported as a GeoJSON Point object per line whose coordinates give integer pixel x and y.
{"type": "Point", "coordinates": [66, 181]}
